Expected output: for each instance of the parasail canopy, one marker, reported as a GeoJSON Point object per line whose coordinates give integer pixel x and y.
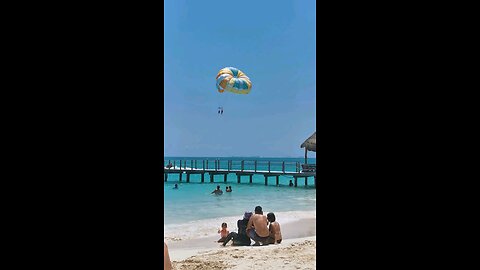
{"type": "Point", "coordinates": [233, 80]}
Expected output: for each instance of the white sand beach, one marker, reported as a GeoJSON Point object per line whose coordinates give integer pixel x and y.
{"type": "Point", "coordinates": [297, 251]}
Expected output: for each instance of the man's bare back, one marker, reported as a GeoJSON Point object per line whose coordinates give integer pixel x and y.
{"type": "Point", "coordinates": [259, 223]}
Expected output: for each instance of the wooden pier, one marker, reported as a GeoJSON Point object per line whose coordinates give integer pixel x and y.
{"type": "Point", "coordinates": [239, 168]}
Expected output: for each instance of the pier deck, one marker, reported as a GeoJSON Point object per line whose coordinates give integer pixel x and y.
{"type": "Point", "coordinates": [240, 170]}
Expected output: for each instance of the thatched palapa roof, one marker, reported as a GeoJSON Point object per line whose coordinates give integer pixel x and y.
{"type": "Point", "coordinates": [310, 144]}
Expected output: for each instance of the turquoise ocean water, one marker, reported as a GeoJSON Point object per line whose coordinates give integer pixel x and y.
{"type": "Point", "coordinates": [192, 206]}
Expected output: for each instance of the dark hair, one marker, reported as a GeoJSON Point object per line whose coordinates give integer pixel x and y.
{"type": "Point", "coordinates": [230, 187]}
{"type": "Point", "coordinates": [271, 217]}
{"type": "Point", "coordinates": [258, 210]}
{"type": "Point", "coordinates": [218, 187]}
{"type": "Point", "coordinates": [224, 223]}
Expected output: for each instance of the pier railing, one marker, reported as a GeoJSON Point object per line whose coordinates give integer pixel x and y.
{"type": "Point", "coordinates": [229, 165]}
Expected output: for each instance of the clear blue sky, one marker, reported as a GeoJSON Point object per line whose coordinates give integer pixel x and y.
{"type": "Point", "coordinates": [273, 42]}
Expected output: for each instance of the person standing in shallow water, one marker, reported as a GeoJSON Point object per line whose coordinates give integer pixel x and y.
{"type": "Point", "coordinates": [290, 184]}
{"type": "Point", "coordinates": [217, 191]}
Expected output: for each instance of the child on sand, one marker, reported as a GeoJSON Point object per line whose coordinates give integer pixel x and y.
{"type": "Point", "coordinates": [223, 233]}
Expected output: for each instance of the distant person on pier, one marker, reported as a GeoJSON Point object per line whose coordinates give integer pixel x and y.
{"type": "Point", "coordinates": [290, 184]}
{"type": "Point", "coordinates": [274, 228]}
{"type": "Point", "coordinates": [176, 186]}
{"type": "Point", "coordinates": [217, 191]}
{"type": "Point", "coordinates": [241, 238]}
{"type": "Point", "coordinates": [257, 227]}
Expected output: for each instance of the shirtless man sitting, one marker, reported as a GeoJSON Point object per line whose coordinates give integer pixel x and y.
{"type": "Point", "coordinates": [257, 228]}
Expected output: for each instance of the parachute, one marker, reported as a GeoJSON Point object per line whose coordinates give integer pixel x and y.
{"type": "Point", "coordinates": [233, 80]}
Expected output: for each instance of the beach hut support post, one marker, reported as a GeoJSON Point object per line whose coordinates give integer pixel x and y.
{"type": "Point", "coordinates": [305, 155]}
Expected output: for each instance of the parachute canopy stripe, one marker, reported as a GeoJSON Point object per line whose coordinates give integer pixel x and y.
{"type": "Point", "coordinates": [233, 80]}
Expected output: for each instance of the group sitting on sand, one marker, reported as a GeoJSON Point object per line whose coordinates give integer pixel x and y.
{"type": "Point", "coordinates": [253, 227]}
{"type": "Point", "coordinates": [261, 229]}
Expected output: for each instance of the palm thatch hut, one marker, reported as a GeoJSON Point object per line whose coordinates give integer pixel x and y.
{"type": "Point", "coordinates": [310, 144]}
